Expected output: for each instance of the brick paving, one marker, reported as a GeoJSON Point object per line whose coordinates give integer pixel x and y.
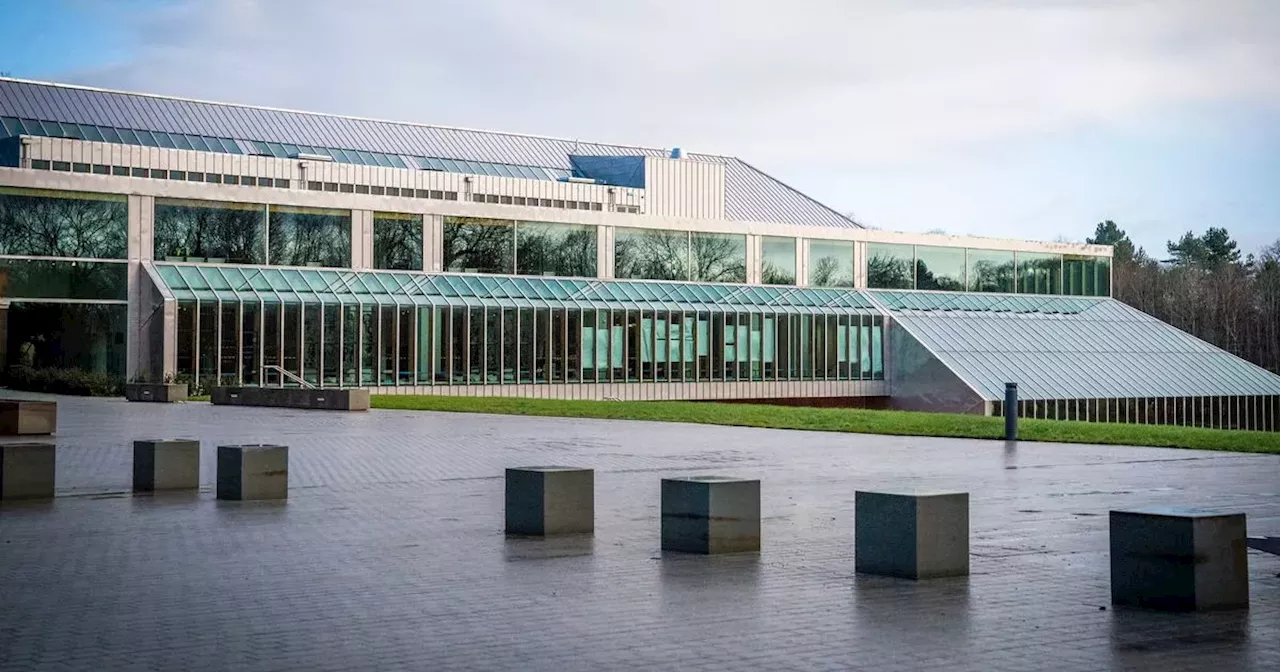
{"type": "Point", "coordinates": [390, 554]}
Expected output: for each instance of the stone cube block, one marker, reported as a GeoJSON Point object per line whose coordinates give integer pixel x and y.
{"type": "Point", "coordinates": [550, 500]}
{"type": "Point", "coordinates": [20, 417]}
{"type": "Point", "coordinates": [912, 535]}
{"type": "Point", "coordinates": [256, 471]}
{"type": "Point", "coordinates": [27, 470]}
{"type": "Point", "coordinates": [710, 514]}
{"type": "Point", "coordinates": [166, 464]}
{"type": "Point", "coordinates": [1179, 559]}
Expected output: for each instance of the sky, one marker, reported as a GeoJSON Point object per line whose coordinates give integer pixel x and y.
{"type": "Point", "coordinates": [1010, 118]}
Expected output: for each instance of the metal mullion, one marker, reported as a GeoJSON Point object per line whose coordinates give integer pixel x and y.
{"type": "Point", "coordinates": [240, 343]}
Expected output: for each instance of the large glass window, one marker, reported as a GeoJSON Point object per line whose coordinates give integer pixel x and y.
{"type": "Point", "coordinates": [476, 245]}
{"type": "Point", "coordinates": [209, 231]}
{"type": "Point", "coordinates": [58, 279]}
{"type": "Point", "coordinates": [397, 241]}
{"type": "Point", "coordinates": [890, 266]}
{"type": "Point", "coordinates": [651, 254]}
{"type": "Point", "coordinates": [940, 268]}
{"type": "Point", "coordinates": [778, 265]}
{"type": "Point", "coordinates": [89, 337]}
{"type": "Point", "coordinates": [719, 257]}
{"type": "Point", "coordinates": [830, 263]}
{"type": "Point", "coordinates": [1039, 273]}
{"type": "Point", "coordinates": [1086, 276]}
{"type": "Point", "coordinates": [556, 249]}
{"type": "Point", "coordinates": [989, 271]}
{"type": "Point", "coordinates": [45, 223]}
{"type": "Point", "coordinates": [309, 237]}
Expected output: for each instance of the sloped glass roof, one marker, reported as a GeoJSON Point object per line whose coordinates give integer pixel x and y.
{"type": "Point", "coordinates": [1069, 348]}
{"type": "Point", "coordinates": [186, 282]}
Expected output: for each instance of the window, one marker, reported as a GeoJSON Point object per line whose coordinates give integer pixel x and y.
{"type": "Point", "coordinates": [174, 174]}
{"type": "Point", "coordinates": [556, 249]}
{"type": "Point", "coordinates": [45, 223]}
{"type": "Point", "coordinates": [64, 166]}
{"type": "Point", "coordinates": [397, 241]}
{"type": "Point", "coordinates": [718, 257]}
{"type": "Point", "coordinates": [101, 170]}
{"type": "Point", "coordinates": [362, 188]}
{"type": "Point", "coordinates": [476, 245]}
{"type": "Point", "coordinates": [830, 263]}
{"type": "Point", "coordinates": [940, 268]}
{"type": "Point", "coordinates": [120, 170]}
{"type": "Point", "coordinates": [346, 188]}
{"type": "Point", "coordinates": [228, 232]}
{"type": "Point", "coordinates": [59, 279]}
{"type": "Point", "coordinates": [890, 266]}
{"type": "Point", "coordinates": [195, 177]}
{"type": "Point", "coordinates": [309, 237]}
{"type": "Point", "coordinates": [989, 271]}
{"type": "Point", "coordinates": [1086, 276]}
{"type": "Point", "coordinates": [315, 186]}
{"type": "Point", "coordinates": [40, 164]}
{"type": "Point", "coordinates": [651, 254]}
{"type": "Point", "coordinates": [79, 167]}
{"type": "Point", "coordinates": [1039, 273]}
{"type": "Point", "coordinates": [778, 265]}
{"type": "Point", "coordinates": [88, 337]}
{"type": "Point", "coordinates": [230, 179]}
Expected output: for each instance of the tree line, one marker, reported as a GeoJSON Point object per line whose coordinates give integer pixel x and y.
{"type": "Point", "coordinates": [1205, 287]}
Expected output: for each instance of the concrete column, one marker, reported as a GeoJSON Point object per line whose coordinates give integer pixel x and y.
{"type": "Point", "coordinates": [1179, 559]}
{"type": "Point", "coordinates": [917, 535]}
{"type": "Point", "coordinates": [802, 262]}
{"type": "Point", "coordinates": [141, 247]}
{"type": "Point", "coordinates": [550, 500]}
{"type": "Point", "coordinates": [27, 470]}
{"type": "Point", "coordinates": [753, 259]}
{"type": "Point", "coordinates": [710, 514]}
{"type": "Point", "coordinates": [257, 471]}
{"type": "Point", "coordinates": [361, 239]}
{"type": "Point", "coordinates": [433, 243]}
{"type": "Point", "coordinates": [604, 253]}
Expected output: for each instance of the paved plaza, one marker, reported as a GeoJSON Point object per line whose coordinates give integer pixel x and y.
{"type": "Point", "coordinates": [390, 553]}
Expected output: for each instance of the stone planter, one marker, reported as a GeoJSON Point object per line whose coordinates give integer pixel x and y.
{"type": "Point", "coordinates": [159, 392]}
{"type": "Point", "coordinates": [330, 399]}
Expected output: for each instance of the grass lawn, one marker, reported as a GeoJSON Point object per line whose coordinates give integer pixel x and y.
{"type": "Point", "coordinates": [849, 420]}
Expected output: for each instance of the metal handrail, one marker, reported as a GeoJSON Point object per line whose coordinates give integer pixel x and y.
{"type": "Point", "coordinates": [286, 374]}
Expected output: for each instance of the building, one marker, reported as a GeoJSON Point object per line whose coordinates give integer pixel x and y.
{"type": "Point", "coordinates": [151, 237]}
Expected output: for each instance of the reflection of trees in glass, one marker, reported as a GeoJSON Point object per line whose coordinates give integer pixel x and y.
{"type": "Point", "coordinates": [63, 224]}
{"type": "Point", "coordinates": [397, 242]}
{"type": "Point", "coordinates": [309, 237]}
{"type": "Point", "coordinates": [209, 230]}
{"type": "Point", "coordinates": [476, 245]}
{"type": "Point", "coordinates": [56, 279]}
{"type": "Point", "coordinates": [1039, 273]}
{"type": "Point", "coordinates": [89, 337]}
{"type": "Point", "coordinates": [830, 263]}
{"type": "Point", "coordinates": [926, 279]}
{"type": "Point", "coordinates": [778, 265]}
{"type": "Point", "coordinates": [651, 254]}
{"type": "Point", "coordinates": [889, 272]}
{"type": "Point", "coordinates": [556, 249]}
{"type": "Point", "coordinates": [719, 257]}
{"type": "Point", "coordinates": [990, 271]}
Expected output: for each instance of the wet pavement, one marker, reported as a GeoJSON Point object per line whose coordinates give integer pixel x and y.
{"type": "Point", "coordinates": [389, 553]}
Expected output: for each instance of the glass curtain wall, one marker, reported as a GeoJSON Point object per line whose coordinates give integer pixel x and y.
{"type": "Point", "coordinates": [830, 263]}
{"type": "Point", "coordinates": [63, 281]}
{"type": "Point", "coordinates": [891, 266]}
{"type": "Point", "coordinates": [384, 345]}
{"type": "Point", "coordinates": [299, 236]}
{"type": "Point", "coordinates": [222, 233]}
{"type": "Point", "coordinates": [477, 245]}
{"type": "Point", "coordinates": [659, 254]}
{"type": "Point", "coordinates": [778, 260]}
{"type": "Point", "coordinates": [989, 271]}
{"type": "Point", "coordinates": [397, 241]}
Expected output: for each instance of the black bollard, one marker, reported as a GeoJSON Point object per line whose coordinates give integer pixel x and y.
{"type": "Point", "coordinates": [1010, 411]}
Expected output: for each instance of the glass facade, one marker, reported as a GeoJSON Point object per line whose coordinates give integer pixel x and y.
{"type": "Point", "coordinates": [477, 245]}
{"type": "Point", "coordinates": [84, 336]}
{"type": "Point", "coordinates": [298, 236]}
{"type": "Point", "coordinates": [63, 279]}
{"type": "Point", "coordinates": [650, 254]}
{"type": "Point", "coordinates": [403, 329]}
{"type": "Point", "coordinates": [891, 266]}
{"type": "Point", "coordinates": [940, 268]}
{"type": "Point", "coordinates": [718, 257]}
{"type": "Point", "coordinates": [1039, 273]}
{"type": "Point", "coordinates": [567, 250]}
{"type": "Point", "coordinates": [397, 241]}
{"type": "Point", "coordinates": [210, 231]}
{"type": "Point", "coordinates": [989, 271]}
{"type": "Point", "coordinates": [1086, 276]}
{"type": "Point", "coordinates": [37, 222]}
{"type": "Point", "coordinates": [778, 264]}
{"type": "Point", "coordinates": [830, 263]}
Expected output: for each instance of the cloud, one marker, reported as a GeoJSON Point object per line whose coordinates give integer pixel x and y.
{"type": "Point", "coordinates": [833, 81]}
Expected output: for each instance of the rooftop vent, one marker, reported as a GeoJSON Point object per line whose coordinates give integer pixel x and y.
{"type": "Point", "coordinates": [312, 157]}
{"type": "Point", "coordinates": [676, 153]}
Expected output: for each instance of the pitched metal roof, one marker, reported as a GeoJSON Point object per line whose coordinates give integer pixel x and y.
{"type": "Point", "coordinates": [1069, 348]}
{"type": "Point", "coordinates": [750, 195]}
